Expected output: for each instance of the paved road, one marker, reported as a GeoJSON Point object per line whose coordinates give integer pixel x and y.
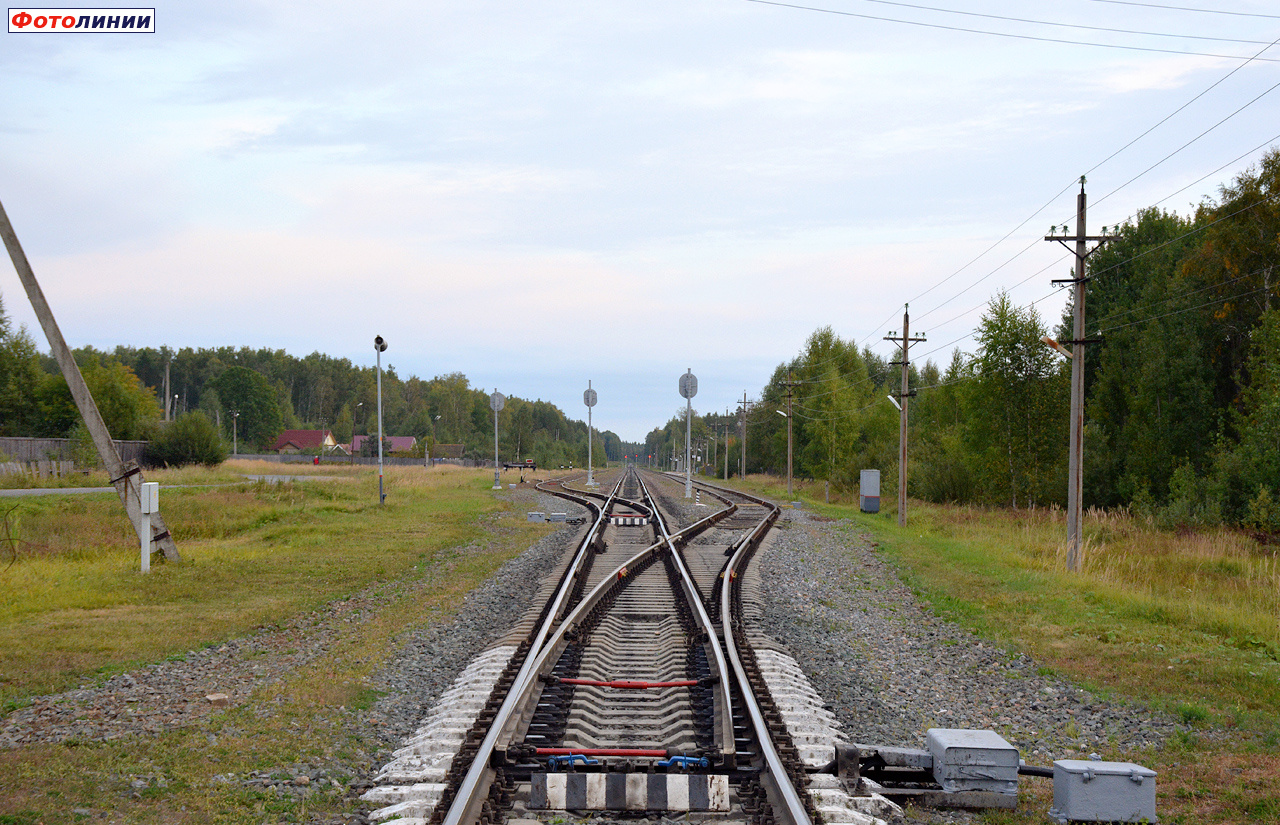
{"type": "Point", "coordinates": [54, 491]}
{"type": "Point", "coordinates": [72, 491]}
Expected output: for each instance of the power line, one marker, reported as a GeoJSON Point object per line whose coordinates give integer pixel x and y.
{"type": "Point", "coordinates": [1188, 8]}
{"type": "Point", "coordinates": [1169, 298]}
{"type": "Point", "coordinates": [1096, 166]}
{"type": "Point", "coordinates": [1188, 309]}
{"type": "Point", "coordinates": [1183, 106]}
{"type": "Point", "coordinates": [1006, 34]}
{"type": "Point", "coordinates": [1047, 204]}
{"type": "Point", "coordinates": [1188, 143]}
{"type": "Point", "coordinates": [1059, 25]}
{"type": "Point", "coordinates": [1186, 234]}
{"type": "Point", "coordinates": [1237, 159]}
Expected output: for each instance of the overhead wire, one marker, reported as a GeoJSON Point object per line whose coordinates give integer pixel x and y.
{"type": "Point", "coordinates": [1059, 25]}
{"type": "Point", "coordinates": [1246, 61]}
{"type": "Point", "coordinates": [1139, 175]}
{"type": "Point", "coordinates": [1188, 8]}
{"type": "Point", "coordinates": [1048, 203]}
{"type": "Point", "coordinates": [1188, 143]}
{"type": "Point", "coordinates": [1009, 35]}
{"type": "Point", "coordinates": [1164, 119]}
{"type": "Point", "coordinates": [1187, 309]}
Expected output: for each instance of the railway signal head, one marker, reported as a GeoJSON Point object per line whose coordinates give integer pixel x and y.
{"type": "Point", "coordinates": [379, 344]}
{"type": "Point", "coordinates": [688, 385]}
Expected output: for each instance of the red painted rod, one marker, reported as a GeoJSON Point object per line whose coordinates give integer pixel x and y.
{"type": "Point", "coordinates": [599, 752]}
{"type": "Point", "coordinates": [625, 683]}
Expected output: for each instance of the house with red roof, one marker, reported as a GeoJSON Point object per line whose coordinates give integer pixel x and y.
{"type": "Point", "coordinates": [391, 443]}
{"type": "Point", "coordinates": [315, 442]}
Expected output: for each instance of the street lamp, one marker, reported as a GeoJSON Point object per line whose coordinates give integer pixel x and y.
{"type": "Point", "coordinates": [379, 346]}
{"type": "Point", "coordinates": [235, 442]}
{"type": "Point", "coordinates": [426, 452]}
{"type": "Point", "coordinates": [788, 417]}
{"type": "Point", "coordinates": [352, 455]}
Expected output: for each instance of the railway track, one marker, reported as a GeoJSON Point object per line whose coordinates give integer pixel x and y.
{"type": "Point", "coordinates": [632, 685]}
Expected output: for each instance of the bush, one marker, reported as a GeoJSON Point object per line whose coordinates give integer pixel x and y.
{"type": "Point", "coordinates": [192, 439]}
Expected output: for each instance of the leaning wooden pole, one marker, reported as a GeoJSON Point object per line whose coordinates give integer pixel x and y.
{"type": "Point", "coordinates": [126, 476]}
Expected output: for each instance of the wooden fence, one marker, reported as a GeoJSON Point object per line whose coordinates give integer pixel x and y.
{"type": "Point", "coordinates": [52, 456]}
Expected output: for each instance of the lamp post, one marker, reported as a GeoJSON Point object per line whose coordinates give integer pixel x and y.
{"type": "Point", "coordinates": [426, 452]}
{"type": "Point", "coordinates": [354, 409]}
{"type": "Point", "coordinates": [788, 417]}
{"type": "Point", "coordinates": [379, 346]}
{"type": "Point", "coordinates": [235, 441]}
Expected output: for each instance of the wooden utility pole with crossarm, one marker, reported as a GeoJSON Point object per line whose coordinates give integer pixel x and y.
{"type": "Point", "coordinates": [1075, 471]}
{"type": "Point", "coordinates": [904, 341]}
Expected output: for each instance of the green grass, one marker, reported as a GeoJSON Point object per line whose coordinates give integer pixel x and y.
{"type": "Point", "coordinates": [74, 601]}
{"type": "Point", "coordinates": [434, 542]}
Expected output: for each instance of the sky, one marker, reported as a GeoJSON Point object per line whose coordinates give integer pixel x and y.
{"type": "Point", "coordinates": [538, 195]}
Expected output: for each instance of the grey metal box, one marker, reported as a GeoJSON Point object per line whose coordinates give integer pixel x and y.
{"type": "Point", "coordinates": [1090, 791]}
{"type": "Point", "coordinates": [869, 491]}
{"type": "Point", "coordinates": [559, 517]}
{"type": "Point", "coordinates": [973, 760]}
{"type": "Point", "coordinates": [534, 515]}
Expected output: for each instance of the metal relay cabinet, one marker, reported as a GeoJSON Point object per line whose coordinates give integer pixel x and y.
{"type": "Point", "coordinates": [973, 760]}
{"type": "Point", "coordinates": [1089, 791]}
{"type": "Point", "coordinates": [869, 491]}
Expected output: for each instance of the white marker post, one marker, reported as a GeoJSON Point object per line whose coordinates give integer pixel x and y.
{"type": "Point", "coordinates": [149, 499]}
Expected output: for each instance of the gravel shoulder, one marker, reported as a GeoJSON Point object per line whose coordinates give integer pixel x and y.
{"type": "Point", "coordinates": [890, 669]}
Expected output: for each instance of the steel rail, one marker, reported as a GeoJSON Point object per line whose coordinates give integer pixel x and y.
{"type": "Point", "coordinates": [728, 745]}
{"type": "Point", "coordinates": [473, 790]}
{"type": "Point", "coordinates": [775, 773]}
{"type": "Point", "coordinates": [474, 787]}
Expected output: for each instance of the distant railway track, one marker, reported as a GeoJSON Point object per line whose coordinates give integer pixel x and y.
{"type": "Point", "coordinates": [630, 686]}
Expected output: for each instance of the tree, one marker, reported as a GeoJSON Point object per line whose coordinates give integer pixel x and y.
{"type": "Point", "coordinates": [130, 410]}
{"type": "Point", "coordinates": [245, 391]}
{"type": "Point", "coordinates": [20, 380]}
{"type": "Point", "coordinates": [1149, 385]}
{"type": "Point", "coordinates": [1018, 403]}
{"type": "Point", "coordinates": [343, 427]}
{"type": "Point", "coordinates": [192, 439]}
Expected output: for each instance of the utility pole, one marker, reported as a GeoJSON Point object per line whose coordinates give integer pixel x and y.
{"type": "Point", "coordinates": [904, 395]}
{"type": "Point", "coordinates": [726, 445]}
{"type": "Point", "coordinates": [742, 465]}
{"type": "Point", "coordinates": [126, 477]}
{"type": "Point", "coordinates": [1075, 470]}
{"type": "Point", "coordinates": [168, 359]}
